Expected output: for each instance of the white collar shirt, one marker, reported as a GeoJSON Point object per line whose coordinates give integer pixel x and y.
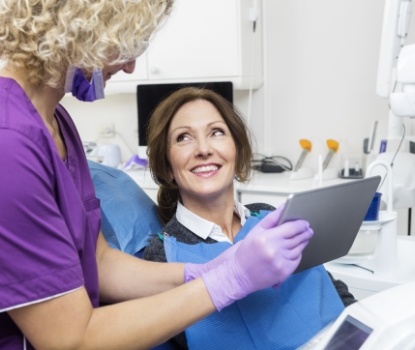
{"type": "Point", "coordinates": [205, 228]}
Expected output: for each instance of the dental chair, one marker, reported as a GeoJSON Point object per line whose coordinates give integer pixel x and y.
{"type": "Point", "coordinates": [129, 215]}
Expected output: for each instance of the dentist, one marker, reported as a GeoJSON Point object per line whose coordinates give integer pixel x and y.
{"type": "Point", "coordinates": [56, 267]}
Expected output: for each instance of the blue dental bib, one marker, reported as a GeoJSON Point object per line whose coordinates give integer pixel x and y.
{"type": "Point", "coordinates": [283, 318]}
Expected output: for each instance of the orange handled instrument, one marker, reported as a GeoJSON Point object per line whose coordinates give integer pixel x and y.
{"type": "Point", "coordinates": [333, 146]}
{"type": "Point", "coordinates": [306, 146]}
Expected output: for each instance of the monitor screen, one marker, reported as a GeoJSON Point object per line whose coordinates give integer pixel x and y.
{"type": "Point", "coordinates": [350, 335]}
{"type": "Point", "coordinates": [150, 95]}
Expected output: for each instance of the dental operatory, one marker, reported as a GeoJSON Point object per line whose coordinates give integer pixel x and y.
{"type": "Point", "coordinates": [207, 174]}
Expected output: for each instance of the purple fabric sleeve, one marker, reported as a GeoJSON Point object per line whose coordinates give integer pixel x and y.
{"type": "Point", "coordinates": [49, 215]}
{"type": "Point", "coordinates": [38, 257]}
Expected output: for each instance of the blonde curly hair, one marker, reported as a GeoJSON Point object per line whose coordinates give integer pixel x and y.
{"type": "Point", "coordinates": [45, 37]}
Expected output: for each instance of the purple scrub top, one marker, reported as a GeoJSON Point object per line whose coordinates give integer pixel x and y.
{"type": "Point", "coordinates": [49, 215]}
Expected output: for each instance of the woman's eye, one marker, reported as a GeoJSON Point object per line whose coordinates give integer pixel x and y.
{"type": "Point", "coordinates": [218, 132]}
{"type": "Point", "coordinates": [182, 137]}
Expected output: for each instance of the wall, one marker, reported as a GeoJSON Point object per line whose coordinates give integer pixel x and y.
{"type": "Point", "coordinates": [320, 75]}
{"type": "Point", "coordinates": [119, 110]}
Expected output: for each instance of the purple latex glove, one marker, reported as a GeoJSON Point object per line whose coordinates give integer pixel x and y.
{"type": "Point", "coordinates": [266, 257]}
{"type": "Point", "coordinates": [192, 271]}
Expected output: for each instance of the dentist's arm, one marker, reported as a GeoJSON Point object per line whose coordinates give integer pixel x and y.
{"type": "Point", "coordinates": [70, 322]}
{"type": "Point", "coordinates": [265, 258]}
{"type": "Point", "coordinates": [124, 277]}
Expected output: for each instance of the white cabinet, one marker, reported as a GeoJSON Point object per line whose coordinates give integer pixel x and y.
{"type": "Point", "coordinates": [126, 83]}
{"type": "Point", "coordinates": [203, 40]}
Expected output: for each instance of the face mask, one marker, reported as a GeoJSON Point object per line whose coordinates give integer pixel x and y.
{"type": "Point", "coordinates": [81, 88]}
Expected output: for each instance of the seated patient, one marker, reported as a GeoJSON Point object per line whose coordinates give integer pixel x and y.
{"type": "Point", "coordinates": [198, 144]}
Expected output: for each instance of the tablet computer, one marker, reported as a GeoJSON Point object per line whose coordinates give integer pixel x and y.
{"type": "Point", "coordinates": [335, 214]}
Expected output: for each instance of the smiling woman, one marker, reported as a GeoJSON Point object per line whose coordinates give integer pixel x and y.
{"type": "Point", "coordinates": [207, 121]}
{"type": "Point", "coordinates": [198, 144]}
{"type": "Point", "coordinates": [201, 153]}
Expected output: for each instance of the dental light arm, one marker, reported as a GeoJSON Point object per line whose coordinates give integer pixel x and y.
{"type": "Point", "coordinates": [396, 82]}
{"type": "Point", "coordinates": [402, 102]}
{"type": "Point", "coordinates": [396, 20]}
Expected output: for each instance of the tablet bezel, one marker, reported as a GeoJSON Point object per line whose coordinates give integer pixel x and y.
{"type": "Point", "coordinates": [335, 229]}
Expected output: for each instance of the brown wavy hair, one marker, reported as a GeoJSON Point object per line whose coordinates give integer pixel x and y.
{"type": "Point", "coordinates": [157, 133]}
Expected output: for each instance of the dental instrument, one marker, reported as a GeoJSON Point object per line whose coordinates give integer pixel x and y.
{"type": "Point", "coordinates": [333, 146]}
{"type": "Point", "coordinates": [306, 146]}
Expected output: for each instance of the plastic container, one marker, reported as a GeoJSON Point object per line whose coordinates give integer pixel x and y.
{"type": "Point", "coordinates": [365, 242]}
{"type": "Point", "coordinates": [373, 211]}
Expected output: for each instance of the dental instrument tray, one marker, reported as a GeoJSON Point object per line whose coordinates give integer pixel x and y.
{"type": "Point", "coordinates": [335, 214]}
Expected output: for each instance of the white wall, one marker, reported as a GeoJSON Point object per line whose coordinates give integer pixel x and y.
{"type": "Point", "coordinates": [320, 77]}
{"type": "Point", "coordinates": [121, 110]}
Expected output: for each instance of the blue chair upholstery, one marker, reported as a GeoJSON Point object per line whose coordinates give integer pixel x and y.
{"type": "Point", "coordinates": [129, 215]}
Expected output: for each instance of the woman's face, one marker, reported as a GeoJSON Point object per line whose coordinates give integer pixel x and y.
{"type": "Point", "coordinates": [201, 152]}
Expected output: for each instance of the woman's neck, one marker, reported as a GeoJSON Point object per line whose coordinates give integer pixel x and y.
{"type": "Point", "coordinates": [221, 212]}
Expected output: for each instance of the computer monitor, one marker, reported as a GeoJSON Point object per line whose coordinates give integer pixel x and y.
{"type": "Point", "coordinates": [150, 95]}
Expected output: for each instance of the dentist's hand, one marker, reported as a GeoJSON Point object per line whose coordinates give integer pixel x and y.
{"type": "Point", "coordinates": [266, 257]}
{"type": "Point", "coordinates": [192, 271]}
